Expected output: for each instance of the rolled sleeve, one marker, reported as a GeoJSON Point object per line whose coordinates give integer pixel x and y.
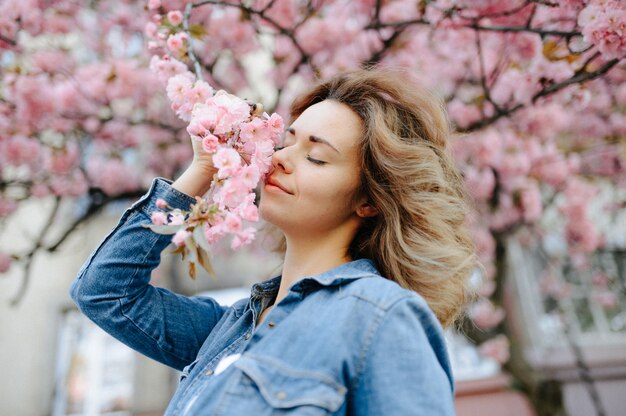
{"type": "Point", "coordinates": [113, 288]}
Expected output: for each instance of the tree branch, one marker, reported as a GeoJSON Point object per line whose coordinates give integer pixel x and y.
{"type": "Point", "coordinates": [548, 90]}
{"type": "Point", "coordinates": [31, 254]}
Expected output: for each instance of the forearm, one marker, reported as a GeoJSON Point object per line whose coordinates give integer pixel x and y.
{"type": "Point", "coordinates": [195, 180]}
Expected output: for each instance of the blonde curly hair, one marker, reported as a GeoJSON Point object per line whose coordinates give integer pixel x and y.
{"type": "Point", "coordinates": [419, 239]}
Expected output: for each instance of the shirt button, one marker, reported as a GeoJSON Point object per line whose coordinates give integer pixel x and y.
{"type": "Point", "coordinates": [281, 395]}
{"type": "Point", "coordinates": [209, 372]}
{"type": "Point", "coordinates": [271, 324]}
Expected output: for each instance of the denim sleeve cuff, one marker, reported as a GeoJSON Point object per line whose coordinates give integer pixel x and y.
{"type": "Point", "coordinates": [161, 189]}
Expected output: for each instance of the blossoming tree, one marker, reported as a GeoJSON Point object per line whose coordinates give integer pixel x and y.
{"type": "Point", "coordinates": [90, 95]}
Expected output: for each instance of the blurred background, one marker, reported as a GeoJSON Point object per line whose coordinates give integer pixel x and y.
{"type": "Point", "coordinates": [536, 93]}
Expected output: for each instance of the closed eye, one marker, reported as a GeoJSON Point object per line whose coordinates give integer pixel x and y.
{"type": "Point", "coordinates": [309, 158]}
{"type": "Point", "coordinates": [317, 162]}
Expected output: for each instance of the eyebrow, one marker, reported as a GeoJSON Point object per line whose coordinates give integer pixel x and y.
{"type": "Point", "coordinates": [315, 139]}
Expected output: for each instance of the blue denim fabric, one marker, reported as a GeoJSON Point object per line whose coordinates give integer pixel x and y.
{"type": "Point", "coordinates": [343, 342]}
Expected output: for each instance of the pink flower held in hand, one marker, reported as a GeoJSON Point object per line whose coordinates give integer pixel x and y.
{"type": "Point", "coordinates": [159, 218]}
{"type": "Point", "coordinates": [227, 161]}
{"type": "Point", "coordinates": [175, 17]}
{"type": "Point", "coordinates": [180, 237]}
{"type": "Point", "coordinates": [210, 143]}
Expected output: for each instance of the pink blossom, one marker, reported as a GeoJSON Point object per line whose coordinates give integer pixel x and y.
{"type": "Point", "coordinates": [196, 130]}
{"type": "Point", "coordinates": [167, 67]}
{"type": "Point", "coordinates": [151, 30]}
{"type": "Point", "coordinates": [235, 111]}
{"type": "Point", "coordinates": [262, 156]}
{"type": "Point", "coordinates": [161, 203]}
{"type": "Point", "coordinates": [496, 348]}
{"type": "Point", "coordinates": [154, 4]}
{"type": "Point", "coordinates": [227, 161]}
{"type": "Point", "coordinates": [175, 17]}
{"type": "Point", "coordinates": [231, 194]}
{"type": "Point", "coordinates": [179, 86]}
{"type": "Point", "coordinates": [249, 212]}
{"type": "Point", "coordinates": [5, 262]}
{"type": "Point", "coordinates": [277, 124]}
{"type": "Point", "coordinates": [176, 42]}
{"type": "Point", "coordinates": [72, 184]}
{"type": "Point", "coordinates": [206, 116]}
{"type": "Point", "coordinates": [463, 114]}
{"type": "Point", "coordinates": [485, 314]}
{"type": "Point", "coordinates": [250, 175]}
{"type": "Point", "coordinates": [255, 130]}
{"type": "Point", "coordinates": [159, 218]}
{"type": "Point", "coordinates": [200, 92]}
{"type": "Point", "coordinates": [215, 231]}
{"type": "Point", "coordinates": [210, 143]}
{"type": "Point", "coordinates": [604, 25]}
{"type": "Point", "coordinates": [243, 238]}
{"type": "Point", "coordinates": [179, 238]}
{"type": "Point", "coordinates": [113, 176]}
{"type": "Point", "coordinates": [480, 183]}
{"type": "Point", "coordinates": [19, 150]}
{"type": "Point", "coordinates": [63, 160]}
{"type": "Point", "coordinates": [232, 223]}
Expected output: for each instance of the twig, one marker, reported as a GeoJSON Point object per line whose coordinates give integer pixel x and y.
{"type": "Point", "coordinates": [518, 29]}
{"type": "Point", "coordinates": [192, 55]}
{"type": "Point", "coordinates": [30, 255]}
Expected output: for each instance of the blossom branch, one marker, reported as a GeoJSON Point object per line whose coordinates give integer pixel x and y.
{"type": "Point", "coordinates": [578, 78]}
{"type": "Point", "coordinates": [196, 64]}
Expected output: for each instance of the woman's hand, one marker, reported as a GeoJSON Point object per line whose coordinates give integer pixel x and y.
{"type": "Point", "coordinates": [196, 179]}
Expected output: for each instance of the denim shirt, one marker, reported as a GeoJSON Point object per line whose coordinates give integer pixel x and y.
{"type": "Point", "coordinates": [343, 342]}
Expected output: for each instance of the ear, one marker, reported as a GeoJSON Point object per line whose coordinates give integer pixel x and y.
{"type": "Point", "coordinates": [365, 210]}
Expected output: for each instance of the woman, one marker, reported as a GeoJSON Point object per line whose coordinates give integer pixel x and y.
{"type": "Point", "coordinates": [376, 260]}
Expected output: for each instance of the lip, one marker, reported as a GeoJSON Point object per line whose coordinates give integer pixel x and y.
{"type": "Point", "coordinates": [273, 182]}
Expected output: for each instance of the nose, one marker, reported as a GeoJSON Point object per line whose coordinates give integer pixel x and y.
{"type": "Point", "coordinates": [280, 160]}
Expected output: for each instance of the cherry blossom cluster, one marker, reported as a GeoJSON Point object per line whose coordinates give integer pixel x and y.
{"type": "Point", "coordinates": [241, 140]}
{"type": "Point", "coordinates": [603, 24]}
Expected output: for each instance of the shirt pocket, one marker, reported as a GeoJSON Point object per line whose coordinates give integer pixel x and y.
{"type": "Point", "coordinates": [268, 386]}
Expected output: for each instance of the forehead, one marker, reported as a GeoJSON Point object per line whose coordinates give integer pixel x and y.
{"type": "Point", "coordinates": [332, 121]}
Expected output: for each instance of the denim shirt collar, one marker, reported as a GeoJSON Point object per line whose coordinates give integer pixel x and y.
{"type": "Point", "coordinates": [339, 275]}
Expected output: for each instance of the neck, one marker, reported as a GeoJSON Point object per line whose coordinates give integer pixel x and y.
{"type": "Point", "coordinates": [307, 256]}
